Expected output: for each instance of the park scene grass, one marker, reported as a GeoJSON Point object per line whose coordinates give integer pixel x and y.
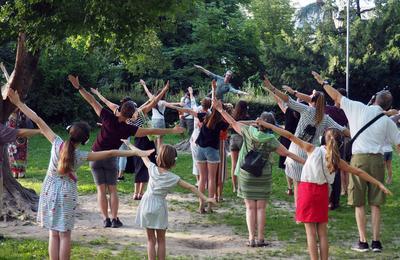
{"type": "Point", "coordinates": [288, 240]}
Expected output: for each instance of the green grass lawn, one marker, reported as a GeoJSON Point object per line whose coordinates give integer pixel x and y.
{"type": "Point", "coordinates": [280, 226]}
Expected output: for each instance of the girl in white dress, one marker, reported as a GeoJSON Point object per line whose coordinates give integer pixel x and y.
{"type": "Point", "coordinates": [152, 212]}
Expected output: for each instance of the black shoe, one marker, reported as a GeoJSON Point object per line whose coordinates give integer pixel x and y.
{"type": "Point", "coordinates": [360, 247]}
{"type": "Point", "coordinates": [107, 223]}
{"type": "Point", "coordinates": [116, 223]}
{"type": "Point", "coordinates": [121, 178]}
{"type": "Point", "coordinates": [376, 246]}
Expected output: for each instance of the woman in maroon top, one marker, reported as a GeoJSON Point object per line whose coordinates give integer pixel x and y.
{"type": "Point", "coordinates": [113, 129]}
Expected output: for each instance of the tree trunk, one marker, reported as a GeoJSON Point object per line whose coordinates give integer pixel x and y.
{"type": "Point", "coordinates": [17, 199]}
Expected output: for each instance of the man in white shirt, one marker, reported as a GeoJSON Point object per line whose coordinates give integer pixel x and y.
{"type": "Point", "coordinates": [367, 153]}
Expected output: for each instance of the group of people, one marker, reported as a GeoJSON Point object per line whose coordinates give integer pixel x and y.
{"type": "Point", "coordinates": [310, 166]}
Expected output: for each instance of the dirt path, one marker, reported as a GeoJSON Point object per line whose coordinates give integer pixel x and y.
{"type": "Point", "coordinates": [189, 234]}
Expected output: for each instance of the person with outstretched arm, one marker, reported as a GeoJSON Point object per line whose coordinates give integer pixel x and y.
{"type": "Point", "coordinates": [367, 154]}
{"type": "Point", "coordinates": [114, 128]}
{"type": "Point", "coordinates": [318, 172]}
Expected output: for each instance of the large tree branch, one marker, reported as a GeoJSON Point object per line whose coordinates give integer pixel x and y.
{"type": "Point", "coordinates": [22, 76]}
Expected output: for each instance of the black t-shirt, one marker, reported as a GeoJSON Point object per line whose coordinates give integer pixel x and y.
{"type": "Point", "coordinates": [210, 137]}
{"type": "Point", "coordinates": [112, 132]}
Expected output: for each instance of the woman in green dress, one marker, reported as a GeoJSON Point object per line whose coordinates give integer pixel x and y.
{"type": "Point", "coordinates": [255, 190]}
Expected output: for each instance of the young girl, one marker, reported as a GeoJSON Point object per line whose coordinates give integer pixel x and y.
{"type": "Point", "coordinates": [152, 212]}
{"type": "Point", "coordinates": [313, 193]}
{"type": "Point", "coordinates": [58, 197]}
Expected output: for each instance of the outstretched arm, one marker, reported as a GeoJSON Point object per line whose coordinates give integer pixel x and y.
{"type": "Point", "coordinates": [108, 103]}
{"type": "Point", "coordinates": [148, 93]}
{"type": "Point", "coordinates": [333, 93]}
{"type": "Point", "coordinates": [22, 132]}
{"type": "Point", "coordinates": [145, 158]}
{"type": "Point", "coordinates": [228, 118]}
{"type": "Point", "coordinates": [86, 95]}
{"type": "Point", "coordinates": [181, 109]}
{"type": "Point", "coordinates": [344, 166]}
{"type": "Point", "coordinates": [280, 103]}
{"type": "Point", "coordinates": [282, 132]}
{"type": "Point", "coordinates": [153, 102]}
{"type": "Point", "coordinates": [44, 128]}
{"type": "Point", "coordinates": [209, 73]}
{"type": "Point", "coordinates": [268, 86]}
{"type": "Point", "coordinates": [159, 131]}
{"type": "Point", "coordinates": [193, 189]}
{"type": "Point", "coordinates": [282, 151]}
{"type": "Point", "coordinates": [95, 156]}
{"type": "Point", "coordinates": [297, 94]}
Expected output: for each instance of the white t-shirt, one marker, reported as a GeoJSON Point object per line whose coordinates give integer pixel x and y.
{"type": "Point", "coordinates": [382, 132]}
{"type": "Point", "coordinates": [315, 170]}
{"type": "Point", "coordinates": [161, 108]}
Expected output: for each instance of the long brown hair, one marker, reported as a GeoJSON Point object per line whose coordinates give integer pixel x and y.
{"type": "Point", "coordinates": [166, 157]}
{"type": "Point", "coordinates": [319, 100]}
{"type": "Point", "coordinates": [241, 110]}
{"type": "Point", "coordinates": [332, 138]}
{"type": "Point", "coordinates": [78, 133]}
{"type": "Point", "coordinates": [213, 119]}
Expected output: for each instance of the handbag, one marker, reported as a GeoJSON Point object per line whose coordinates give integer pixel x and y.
{"type": "Point", "coordinates": [349, 145]}
{"type": "Point", "coordinates": [253, 161]}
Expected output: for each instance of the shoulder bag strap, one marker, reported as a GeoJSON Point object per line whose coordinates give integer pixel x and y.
{"type": "Point", "coordinates": [366, 126]}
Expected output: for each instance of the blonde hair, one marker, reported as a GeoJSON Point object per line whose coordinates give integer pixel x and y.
{"type": "Point", "coordinates": [166, 157]}
{"type": "Point", "coordinates": [319, 100]}
{"type": "Point", "coordinates": [332, 157]}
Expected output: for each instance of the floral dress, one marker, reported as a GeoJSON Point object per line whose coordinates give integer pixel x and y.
{"type": "Point", "coordinates": [58, 197]}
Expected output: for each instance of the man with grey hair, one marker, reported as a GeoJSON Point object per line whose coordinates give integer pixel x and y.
{"type": "Point", "coordinates": [367, 154]}
{"type": "Point", "coordinates": [223, 83]}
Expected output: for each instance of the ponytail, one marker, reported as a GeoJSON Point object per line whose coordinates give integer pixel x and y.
{"type": "Point", "coordinates": [332, 150]}
{"type": "Point", "coordinates": [319, 107]}
{"type": "Point", "coordinates": [67, 154]}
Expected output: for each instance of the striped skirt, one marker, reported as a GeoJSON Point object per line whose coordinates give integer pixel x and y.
{"type": "Point", "coordinates": [255, 188]}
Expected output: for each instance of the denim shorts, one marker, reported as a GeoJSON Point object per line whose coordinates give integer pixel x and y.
{"type": "Point", "coordinates": [387, 156]}
{"type": "Point", "coordinates": [206, 154]}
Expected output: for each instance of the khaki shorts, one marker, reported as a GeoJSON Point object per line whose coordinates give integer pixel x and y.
{"type": "Point", "coordinates": [373, 165]}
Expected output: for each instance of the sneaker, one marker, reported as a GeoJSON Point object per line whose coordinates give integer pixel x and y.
{"type": "Point", "coordinates": [121, 178]}
{"type": "Point", "coordinates": [376, 246]}
{"type": "Point", "coordinates": [107, 223]}
{"type": "Point", "coordinates": [360, 247]}
{"type": "Point", "coordinates": [116, 223]}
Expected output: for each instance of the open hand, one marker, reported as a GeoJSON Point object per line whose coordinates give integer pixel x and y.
{"type": "Point", "coordinates": [178, 129]}
{"type": "Point", "coordinates": [385, 190]}
{"type": "Point", "coordinates": [74, 81]}
{"type": "Point", "coordinates": [142, 82]}
{"type": "Point", "coordinates": [14, 97]}
{"type": "Point", "coordinates": [317, 77]}
{"type": "Point", "coordinates": [288, 89]}
{"type": "Point", "coordinates": [95, 91]}
{"type": "Point", "coordinates": [267, 83]}
{"type": "Point", "coordinates": [167, 84]}
{"type": "Point", "coordinates": [213, 84]}
{"type": "Point", "coordinates": [190, 89]}
{"type": "Point", "coordinates": [197, 66]}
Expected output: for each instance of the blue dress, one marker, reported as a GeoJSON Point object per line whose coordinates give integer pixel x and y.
{"type": "Point", "coordinates": [153, 210]}
{"type": "Point", "coordinates": [58, 197]}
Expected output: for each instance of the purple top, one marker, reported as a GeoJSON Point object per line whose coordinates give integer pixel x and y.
{"type": "Point", "coordinates": [337, 115]}
{"type": "Point", "coordinates": [112, 132]}
{"type": "Point", "coordinates": [7, 135]}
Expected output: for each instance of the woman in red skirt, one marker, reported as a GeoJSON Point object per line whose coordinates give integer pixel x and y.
{"type": "Point", "coordinates": [313, 192]}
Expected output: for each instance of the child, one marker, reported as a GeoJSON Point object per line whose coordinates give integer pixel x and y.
{"type": "Point", "coordinates": [152, 212]}
{"type": "Point", "coordinates": [58, 197]}
{"type": "Point", "coordinates": [313, 199]}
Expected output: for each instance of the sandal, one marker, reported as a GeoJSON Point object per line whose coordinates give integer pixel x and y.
{"type": "Point", "coordinates": [289, 192]}
{"type": "Point", "coordinates": [251, 243]}
{"type": "Point", "coordinates": [140, 196]}
{"type": "Point", "coordinates": [202, 211]}
{"type": "Point", "coordinates": [135, 196]}
{"type": "Point", "coordinates": [261, 243]}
